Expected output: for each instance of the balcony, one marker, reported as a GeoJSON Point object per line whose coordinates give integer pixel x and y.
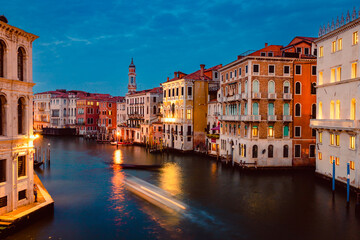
{"type": "Point", "coordinates": [246, 118]}
{"type": "Point", "coordinates": [255, 118]}
{"type": "Point", "coordinates": [172, 120]}
{"type": "Point", "coordinates": [256, 95]}
{"type": "Point", "coordinates": [287, 118]}
{"type": "Point", "coordinates": [271, 118]}
{"type": "Point", "coordinates": [244, 96]}
{"type": "Point", "coordinates": [230, 118]}
{"type": "Point", "coordinates": [230, 98]}
{"type": "Point", "coordinates": [272, 96]}
{"type": "Point", "coordinates": [287, 96]}
{"type": "Point", "coordinates": [336, 124]}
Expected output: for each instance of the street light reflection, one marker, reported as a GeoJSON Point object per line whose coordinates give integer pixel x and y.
{"type": "Point", "coordinates": [117, 193]}
{"type": "Point", "coordinates": [171, 178]}
{"type": "Point", "coordinates": [118, 157]}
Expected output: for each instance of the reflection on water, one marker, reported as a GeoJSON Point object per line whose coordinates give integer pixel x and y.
{"type": "Point", "coordinates": [117, 191]}
{"type": "Point", "coordinates": [171, 178]}
{"type": "Point", "coordinates": [118, 157]}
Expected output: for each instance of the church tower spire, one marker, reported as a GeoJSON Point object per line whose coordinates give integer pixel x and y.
{"type": "Point", "coordinates": [132, 77]}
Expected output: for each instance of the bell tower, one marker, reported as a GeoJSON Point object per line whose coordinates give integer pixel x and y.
{"type": "Point", "coordinates": [132, 78]}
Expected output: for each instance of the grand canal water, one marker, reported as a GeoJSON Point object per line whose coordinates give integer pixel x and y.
{"type": "Point", "coordinates": [92, 203]}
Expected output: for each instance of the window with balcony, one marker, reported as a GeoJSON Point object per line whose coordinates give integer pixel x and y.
{"type": "Point", "coordinates": [355, 38]}
{"type": "Point", "coordinates": [271, 86]}
{"type": "Point", "coordinates": [285, 151]}
{"type": "Point", "coordinates": [352, 142]}
{"type": "Point", "coordinates": [255, 110]}
{"type": "Point", "coordinates": [354, 70]}
{"type": "Point", "coordinates": [227, 76]}
{"type": "Point", "coordinates": [298, 88]}
{"type": "Point", "coordinates": [231, 75]}
{"type": "Point", "coordinates": [286, 87]}
{"type": "Point", "coordinates": [246, 86]}
{"type": "Point", "coordinates": [245, 109]}
{"type": "Point", "coordinates": [270, 54]}
{"type": "Point", "coordinates": [306, 51]}
{"type": "Point", "coordinates": [255, 86]}
{"type": "Point", "coordinates": [286, 109]}
{"type": "Point", "coordinates": [271, 109]}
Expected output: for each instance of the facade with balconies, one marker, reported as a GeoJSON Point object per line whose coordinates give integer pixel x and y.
{"type": "Point", "coordinates": [337, 120]}
{"type": "Point", "coordinates": [257, 104]}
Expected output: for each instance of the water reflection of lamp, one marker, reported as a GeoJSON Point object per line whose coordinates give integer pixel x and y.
{"type": "Point", "coordinates": [117, 192]}
{"type": "Point", "coordinates": [170, 178]}
{"type": "Point", "coordinates": [118, 157]}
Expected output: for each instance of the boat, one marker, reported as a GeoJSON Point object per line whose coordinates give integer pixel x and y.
{"type": "Point", "coordinates": [140, 167]}
{"type": "Point", "coordinates": [125, 143]}
{"type": "Point", "coordinates": [153, 194]}
{"type": "Point", "coordinates": [113, 143]}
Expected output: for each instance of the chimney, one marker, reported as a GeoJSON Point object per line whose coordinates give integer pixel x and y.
{"type": "Point", "coordinates": [266, 44]}
{"type": "Point", "coordinates": [167, 79]}
{"type": "Point", "coordinates": [175, 74]}
{"type": "Point", "coordinates": [202, 66]}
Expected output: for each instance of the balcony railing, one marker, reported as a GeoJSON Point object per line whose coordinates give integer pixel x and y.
{"type": "Point", "coordinates": [244, 96]}
{"type": "Point", "coordinates": [287, 118]}
{"type": "Point", "coordinates": [246, 118]}
{"type": "Point", "coordinates": [340, 124]}
{"type": "Point", "coordinates": [271, 118]}
{"type": "Point", "coordinates": [271, 95]}
{"type": "Point", "coordinates": [287, 96]}
{"type": "Point", "coordinates": [256, 95]}
{"type": "Point", "coordinates": [230, 118]}
{"type": "Point", "coordinates": [255, 118]}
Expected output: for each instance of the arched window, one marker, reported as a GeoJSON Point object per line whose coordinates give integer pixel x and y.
{"type": "Point", "coordinates": [172, 110]}
{"type": "Point", "coordinates": [297, 88]}
{"type": "Point", "coordinates": [244, 150]}
{"type": "Point", "coordinates": [21, 116]}
{"type": "Point", "coordinates": [353, 109]}
{"type": "Point", "coordinates": [271, 109]}
{"type": "Point", "coordinates": [245, 109]}
{"type": "Point", "coordinates": [270, 151]}
{"type": "Point", "coordinates": [286, 109]}
{"type": "Point", "coordinates": [2, 115]}
{"type": "Point", "coordinates": [320, 110]}
{"type": "Point", "coordinates": [246, 86]}
{"type": "Point", "coordinates": [332, 109]}
{"type": "Point", "coordinates": [255, 86]}
{"type": "Point", "coordinates": [286, 87]}
{"type": "Point", "coordinates": [313, 111]}
{"type": "Point", "coordinates": [2, 58]}
{"type": "Point", "coordinates": [21, 63]}
{"type": "Point", "coordinates": [297, 110]}
{"type": "Point", "coordinates": [255, 109]}
{"type": "Point", "coordinates": [154, 110]}
{"type": "Point", "coordinates": [337, 110]}
{"type": "Point", "coordinates": [255, 151]}
{"type": "Point", "coordinates": [226, 91]}
{"type": "Point", "coordinates": [313, 88]}
{"type": "Point", "coordinates": [271, 86]}
{"type": "Point", "coordinates": [286, 151]}
{"type": "Point", "coordinates": [239, 87]}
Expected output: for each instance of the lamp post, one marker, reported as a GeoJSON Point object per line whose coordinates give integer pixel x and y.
{"type": "Point", "coordinates": [348, 183]}
{"type": "Point", "coordinates": [333, 177]}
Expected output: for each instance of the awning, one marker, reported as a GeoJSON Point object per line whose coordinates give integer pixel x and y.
{"type": "Point", "coordinates": [216, 128]}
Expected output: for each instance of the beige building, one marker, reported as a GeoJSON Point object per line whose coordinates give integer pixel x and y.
{"type": "Point", "coordinates": [42, 111]}
{"type": "Point", "coordinates": [16, 122]}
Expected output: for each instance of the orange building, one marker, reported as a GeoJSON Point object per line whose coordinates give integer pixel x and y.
{"type": "Point", "coordinates": [107, 116]}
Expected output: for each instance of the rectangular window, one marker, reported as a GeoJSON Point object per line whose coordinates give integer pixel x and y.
{"type": "Point", "coordinates": [321, 51]}
{"type": "Point", "coordinates": [270, 54]}
{"type": "Point", "coordinates": [235, 73]}
{"type": "Point", "coordinates": [22, 195]}
{"type": "Point", "coordinates": [271, 131]}
{"type": "Point", "coordinates": [337, 139]}
{"type": "Point", "coordinates": [354, 70]}
{"type": "Point", "coordinates": [319, 155]}
{"type": "Point", "coordinates": [230, 75]}
{"type": "Point", "coordinates": [21, 166]}
{"type": "Point", "coordinates": [286, 70]}
{"type": "Point", "coordinates": [352, 142]}
{"type": "Point", "coordinates": [177, 92]}
{"type": "Point", "coordinates": [239, 72]}
{"type": "Point", "coordinates": [313, 70]}
{"type": "Point", "coordinates": [337, 161]}
{"type": "Point", "coordinates": [189, 91]}
{"type": "Point", "coordinates": [286, 131]}
{"type": "Point", "coordinates": [182, 91]}
{"type": "Point", "coordinates": [255, 68]}
{"type": "Point", "coordinates": [297, 131]}
{"type": "Point", "coordinates": [338, 74]}
{"type": "Point", "coordinates": [188, 114]}
{"type": "Point", "coordinates": [332, 139]}
{"type": "Point", "coordinates": [355, 38]}
{"type": "Point", "coordinates": [332, 76]}
{"type": "Point", "coordinates": [255, 131]}
{"type": "Point", "coordinates": [297, 150]}
{"type": "Point", "coordinates": [339, 44]}
{"type": "Point", "coordinates": [263, 54]}
{"type": "Point", "coordinates": [3, 201]}
{"type": "Point", "coordinates": [306, 51]}
{"type": "Point", "coordinates": [227, 76]}
{"type": "Point", "coordinates": [3, 170]}
{"type": "Point", "coordinates": [352, 165]}
{"type": "Point", "coordinates": [320, 78]}
{"type": "Point", "coordinates": [312, 150]}
{"type": "Point", "coordinates": [246, 69]}
{"type": "Point", "coordinates": [298, 50]}
{"type": "Point", "coordinates": [333, 46]}
{"type": "Point", "coordinates": [298, 69]}
{"type": "Point", "coordinates": [271, 69]}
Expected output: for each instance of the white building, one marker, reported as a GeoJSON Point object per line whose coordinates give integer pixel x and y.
{"type": "Point", "coordinates": [42, 110]}
{"type": "Point", "coordinates": [16, 122]}
{"type": "Point", "coordinates": [338, 98]}
{"type": "Point", "coordinates": [213, 127]}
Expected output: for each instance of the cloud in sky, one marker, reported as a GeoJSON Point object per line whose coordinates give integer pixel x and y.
{"type": "Point", "coordinates": [85, 42]}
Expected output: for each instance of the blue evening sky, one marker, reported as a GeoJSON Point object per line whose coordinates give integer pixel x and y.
{"type": "Point", "coordinates": [87, 45]}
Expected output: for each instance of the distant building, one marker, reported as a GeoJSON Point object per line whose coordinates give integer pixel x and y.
{"type": "Point", "coordinates": [185, 99]}
{"type": "Point", "coordinates": [16, 122]}
{"type": "Point", "coordinates": [337, 123]}
{"type": "Point", "coordinates": [42, 111]}
{"type": "Point", "coordinates": [213, 126]}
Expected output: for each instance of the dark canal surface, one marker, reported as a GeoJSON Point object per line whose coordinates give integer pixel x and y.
{"type": "Point", "coordinates": [92, 203]}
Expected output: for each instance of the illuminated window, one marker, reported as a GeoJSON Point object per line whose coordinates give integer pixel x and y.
{"type": "Point", "coordinates": [352, 165]}
{"type": "Point", "coordinates": [353, 109]}
{"type": "Point", "coordinates": [255, 131]}
{"type": "Point", "coordinates": [332, 109]}
{"type": "Point", "coordinates": [319, 155]}
{"type": "Point", "coordinates": [332, 138]}
{"type": "Point", "coordinates": [320, 110]}
{"type": "Point", "coordinates": [333, 46]}
{"type": "Point", "coordinates": [337, 161]}
{"type": "Point", "coordinates": [352, 142]}
{"type": "Point", "coordinates": [332, 76]}
{"type": "Point", "coordinates": [337, 139]}
{"type": "Point", "coordinates": [337, 112]}
{"type": "Point", "coordinates": [321, 51]}
{"type": "Point", "coordinates": [354, 70]}
{"type": "Point", "coordinates": [355, 38]}
{"type": "Point", "coordinates": [321, 81]}
{"type": "Point", "coordinates": [271, 131]}
{"type": "Point", "coordinates": [331, 159]}
{"type": "Point", "coordinates": [338, 74]}
{"type": "Point", "coordinates": [339, 44]}
{"type": "Point", "coordinates": [188, 114]}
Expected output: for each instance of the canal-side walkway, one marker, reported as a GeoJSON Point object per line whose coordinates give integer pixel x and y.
{"type": "Point", "coordinates": [10, 221]}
